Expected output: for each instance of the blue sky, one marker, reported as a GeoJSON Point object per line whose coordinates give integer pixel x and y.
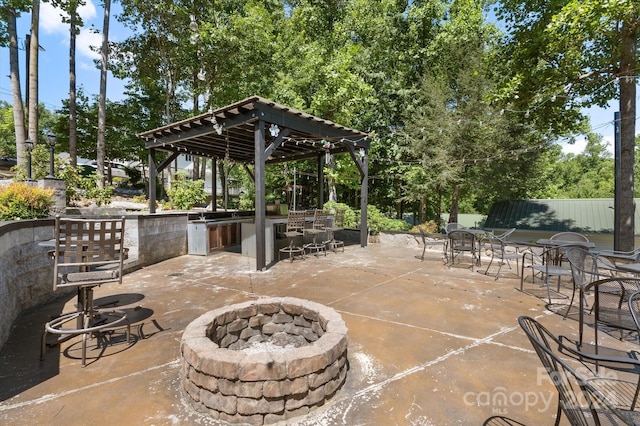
{"type": "Point", "coordinates": [54, 64]}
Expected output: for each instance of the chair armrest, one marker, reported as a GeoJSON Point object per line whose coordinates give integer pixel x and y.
{"type": "Point", "coordinates": [571, 347]}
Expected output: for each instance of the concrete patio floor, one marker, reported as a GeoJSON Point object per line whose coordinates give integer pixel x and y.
{"type": "Point", "coordinates": [428, 344]}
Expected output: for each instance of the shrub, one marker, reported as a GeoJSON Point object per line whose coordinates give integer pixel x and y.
{"type": "Point", "coordinates": [185, 193]}
{"type": "Point", "coordinates": [430, 227]}
{"type": "Point", "coordinates": [350, 217]}
{"type": "Point", "coordinates": [20, 201]}
{"type": "Point", "coordinates": [377, 221]}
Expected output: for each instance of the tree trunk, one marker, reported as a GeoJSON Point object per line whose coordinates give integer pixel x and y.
{"type": "Point", "coordinates": [453, 213]}
{"type": "Point", "coordinates": [18, 108]}
{"type": "Point", "coordinates": [102, 100]}
{"type": "Point", "coordinates": [33, 73]}
{"type": "Point", "coordinates": [73, 151]}
{"type": "Point", "coordinates": [627, 137]}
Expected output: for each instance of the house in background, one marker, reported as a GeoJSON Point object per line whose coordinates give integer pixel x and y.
{"type": "Point", "coordinates": [534, 219]}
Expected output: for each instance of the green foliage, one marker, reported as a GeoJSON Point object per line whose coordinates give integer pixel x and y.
{"type": "Point", "coordinates": [20, 201]}
{"type": "Point", "coordinates": [7, 132]}
{"type": "Point", "coordinates": [350, 217]}
{"type": "Point", "coordinates": [101, 196]}
{"type": "Point", "coordinates": [184, 193]}
{"type": "Point", "coordinates": [430, 227]}
{"type": "Point", "coordinates": [376, 221]}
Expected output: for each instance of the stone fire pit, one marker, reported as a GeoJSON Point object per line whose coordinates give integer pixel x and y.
{"type": "Point", "coordinates": [263, 361]}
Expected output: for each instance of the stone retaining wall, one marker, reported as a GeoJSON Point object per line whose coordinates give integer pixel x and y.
{"type": "Point", "coordinates": [26, 272]}
{"type": "Point", "coordinates": [243, 385]}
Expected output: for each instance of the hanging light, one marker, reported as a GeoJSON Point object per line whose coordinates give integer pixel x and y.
{"type": "Point", "coordinates": [202, 75]}
{"type": "Point", "coordinates": [274, 130]}
{"type": "Point", "coordinates": [193, 25]}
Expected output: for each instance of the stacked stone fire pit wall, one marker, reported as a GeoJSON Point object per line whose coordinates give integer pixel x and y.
{"type": "Point", "coordinates": [225, 373]}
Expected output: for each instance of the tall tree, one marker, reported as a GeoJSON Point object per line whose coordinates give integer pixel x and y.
{"type": "Point", "coordinates": [564, 55]}
{"type": "Point", "coordinates": [34, 48]}
{"type": "Point", "coordinates": [102, 99]}
{"type": "Point", "coordinates": [18, 108]}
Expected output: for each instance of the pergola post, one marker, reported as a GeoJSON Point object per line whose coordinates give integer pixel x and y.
{"type": "Point", "coordinates": [260, 203]}
{"type": "Point", "coordinates": [214, 186]}
{"type": "Point", "coordinates": [153, 176]}
{"type": "Point", "coordinates": [364, 198]}
{"type": "Point", "coordinates": [320, 182]}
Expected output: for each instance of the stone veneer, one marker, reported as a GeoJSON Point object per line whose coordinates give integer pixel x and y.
{"type": "Point", "coordinates": [245, 385]}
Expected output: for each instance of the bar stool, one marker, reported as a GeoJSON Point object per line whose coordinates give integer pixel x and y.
{"type": "Point", "coordinates": [295, 226]}
{"type": "Point", "coordinates": [318, 227]}
{"type": "Point", "coordinates": [88, 253]}
{"type": "Point", "coordinates": [337, 225]}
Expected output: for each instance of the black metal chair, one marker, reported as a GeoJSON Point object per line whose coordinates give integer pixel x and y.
{"type": "Point", "coordinates": [461, 242]}
{"type": "Point", "coordinates": [87, 254]}
{"type": "Point", "coordinates": [634, 308]}
{"type": "Point", "coordinates": [611, 308]}
{"type": "Point", "coordinates": [294, 230]}
{"type": "Point", "coordinates": [586, 268]}
{"type": "Point", "coordinates": [500, 252]}
{"type": "Point", "coordinates": [545, 263]}
{"type": "Point", "coordinates": [432, 242]}
{"type": "Point", "coordinates": [584, 401]}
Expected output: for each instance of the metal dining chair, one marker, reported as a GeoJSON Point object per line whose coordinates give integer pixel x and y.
{"type": "Point", "coordinates": [583, 400]}
{"type": "Point", "coordinates": [461, 242]}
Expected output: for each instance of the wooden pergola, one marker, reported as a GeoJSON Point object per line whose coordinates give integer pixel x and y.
{"type": "Point", "coordinates": [259, 131]}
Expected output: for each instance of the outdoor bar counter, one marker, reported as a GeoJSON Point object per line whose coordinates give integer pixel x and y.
{"type": "Point", "coordinates": [274, 239]}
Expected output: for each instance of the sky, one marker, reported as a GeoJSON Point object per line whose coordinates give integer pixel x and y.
{"type": "Point", "coordinates": [54, 65]}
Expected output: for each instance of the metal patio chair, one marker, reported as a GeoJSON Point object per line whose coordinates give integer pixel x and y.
{"type": "Point", "coordinates": [500, 252]}
{"type": "Point", "coordinates": [87, 254]}
{"type": "Point", "coordinates": [611, 308]}
{"type": "Point", "coordinates": [432, 242]}
{"type": "Point", "coordinates": [543, 262]}
{"type": "Point", "coordinates": [584, 401]}
{"type": "Point", "coordinates": [461, 242]}
{"type": "Point", "coordinates": [586, 268]}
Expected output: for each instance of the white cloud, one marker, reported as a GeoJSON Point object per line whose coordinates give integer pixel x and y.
{"type": "Point", "coordinates": [86, 39]}
{"type": "Point", "coordinates": [581, 143]}
{"type": "Point", "coordinates": [51, 23]}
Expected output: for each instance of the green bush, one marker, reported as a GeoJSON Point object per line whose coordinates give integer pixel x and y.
{"type": "Point", "coordinates": [185, 193]}
{"type": "Point", "coordinates": [350, 217]}
{"type": "Point", "coordinates": [430, 227]}
{"type": "Point", "coordinates": [377, 221]}
{"type": "Point", "coordinates": [20, 201]}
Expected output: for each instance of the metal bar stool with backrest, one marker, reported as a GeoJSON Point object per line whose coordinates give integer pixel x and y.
{"type": "Point", "coordinates": [294, 230]}
{"type": "Point", "coordinates": [318, 227]}
{"type": "Point", "coordinates": [336, 226]}
{"type": "Point", "coordinates": [88, 253]}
